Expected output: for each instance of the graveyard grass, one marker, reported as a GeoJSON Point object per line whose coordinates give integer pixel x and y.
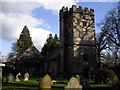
{"type": "Point", "coordinates": [33, 84]}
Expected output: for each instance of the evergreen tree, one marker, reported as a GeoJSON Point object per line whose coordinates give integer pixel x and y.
{"type": "Point", "coordinates": [51, 44]}
{"type": "Point", "coordinates": [24, 42]}
{"type": "Point", "coordinates": [56, 41]}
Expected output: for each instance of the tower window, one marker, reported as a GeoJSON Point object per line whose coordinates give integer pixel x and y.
{"type": "Point", "coordinates": [85, 57]}
{"type": "Point", "coordinates": [84, 23]}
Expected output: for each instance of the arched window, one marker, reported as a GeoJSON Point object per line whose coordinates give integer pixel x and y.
{"type": "Point", "coordinates": [85, 57]}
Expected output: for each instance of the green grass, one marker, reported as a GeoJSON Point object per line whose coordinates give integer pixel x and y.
{"type": "Point", "coordinates": [32, 81]}
{"type": "Point", "coordinates": [61, 80]}
{"type": "Point", "coordinates": [14, 87]}
{"type": "Point", "coordinates": [33, 84]}
{"type": "Point", "coordinates": [100, 85]}
{"type": "Point", "coordinates": [91, 81]}
{"type": "Point", "coordinates": [58, 85]}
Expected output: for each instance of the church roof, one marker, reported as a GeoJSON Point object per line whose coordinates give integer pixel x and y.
{"type": "Point", "coordinates": [31, 52]}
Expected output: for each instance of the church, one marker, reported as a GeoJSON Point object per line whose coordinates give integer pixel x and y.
{"type": "Point", "coordinates": [77, 52]}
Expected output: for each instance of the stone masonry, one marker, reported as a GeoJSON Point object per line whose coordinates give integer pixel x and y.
{"type": "Point", "coordinates": [77, 41]}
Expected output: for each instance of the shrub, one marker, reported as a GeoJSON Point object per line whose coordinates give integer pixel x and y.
{"type": "Point", "coordinates": [104, 76]}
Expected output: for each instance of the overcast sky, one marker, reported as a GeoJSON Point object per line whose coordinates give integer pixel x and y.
{"type": "Point", "coordinates": [41, 18]}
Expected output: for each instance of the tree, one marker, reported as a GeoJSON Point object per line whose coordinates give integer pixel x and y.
{"type": "Point", "coordinates": [51, 43]}
{"type": "Point", "coordinates": [109, 38]}
{"type": "Point", "coordinates": [56, 41]}
{"type": "Point", "coordinates": [22, 44]}
{"type": "Point", "coordinates": [11, 57]}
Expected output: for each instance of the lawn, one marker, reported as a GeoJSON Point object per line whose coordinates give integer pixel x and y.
{"type": "Point", "coordinates": [33, 84]}
{"type": "Point", "coordinates": [100, 85]}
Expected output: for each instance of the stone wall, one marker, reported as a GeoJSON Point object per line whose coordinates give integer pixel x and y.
{"type": "Point", "coordinates": [77, 40]}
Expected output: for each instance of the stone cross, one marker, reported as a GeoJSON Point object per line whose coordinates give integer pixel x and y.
{"type": "Point", "coordinates": [45, 82]}
{"type": "Point", "coordinates": [17, 79]}
{"type": "Point", "coordinates": [26, 77]}
{"type": "Point", "coordinates": [73, 83]}
{"type": "Point", "coordinates": [10, 78]}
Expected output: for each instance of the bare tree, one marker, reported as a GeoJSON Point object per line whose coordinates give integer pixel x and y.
{"type": "Point", "coordinates": [109, 38]}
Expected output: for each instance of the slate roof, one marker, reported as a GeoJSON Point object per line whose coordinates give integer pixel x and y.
{"type": "Point", "coordinates": [31, 54]}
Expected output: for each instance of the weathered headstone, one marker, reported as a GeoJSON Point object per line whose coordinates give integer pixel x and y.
{"type": "Point", "coordinates": [10, 78]}
{"type": "Point", "coordinates": [26, 77]}
{"type": "Point", "coordinates": [116, 83]}
{"type": "Point", "coordinates": [73, 83]}
{"type": "Point", "coordinates": [17, 78]}
{"type": "Point", "coordinates": [78, 77]}
{"type": "Point", "coordinates": [45, 82]}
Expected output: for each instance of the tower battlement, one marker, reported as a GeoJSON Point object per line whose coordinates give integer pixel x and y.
{"type": "Point", "coordinates": [75, 9]}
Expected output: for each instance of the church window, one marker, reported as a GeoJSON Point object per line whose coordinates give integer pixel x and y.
{"type": "Point", "coordinates": [85, 57]}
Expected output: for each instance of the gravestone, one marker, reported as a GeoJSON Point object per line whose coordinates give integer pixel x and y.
{"type": "Point", "coordinates": [73, 83]}
{"type": "Point", "coordinates": [45, 82]}
{"type": "Point", "coordinates": [10, 78]}
{"type": "Point", "coordinates": [78, 77]}
{"type": "Point", "coordinates": [0, 74]}
{"type": "Point", "coordinates": [26, 77]}
{"type": "Point", "coordinates": [116, 83]}
{"type": "Point", "coordinates": [17, 78]}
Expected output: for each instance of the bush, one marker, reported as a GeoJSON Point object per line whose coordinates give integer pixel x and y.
{"type": "Point", "coordinates": [104, 76]}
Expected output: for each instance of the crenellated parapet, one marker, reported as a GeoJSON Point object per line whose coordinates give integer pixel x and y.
{"type": "Point", "coordinates": [75, 9]}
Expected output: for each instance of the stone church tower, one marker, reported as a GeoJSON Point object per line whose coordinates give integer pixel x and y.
{"type": "Point", "coordinates": [77, 41]}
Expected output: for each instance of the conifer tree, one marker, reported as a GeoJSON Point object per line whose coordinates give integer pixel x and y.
{"type": "Point", "coordinates": [24, 41]}
{"type": "Point", "coordinates": [51, 44]}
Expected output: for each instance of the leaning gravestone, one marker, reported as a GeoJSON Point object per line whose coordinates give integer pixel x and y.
{"type": "Point", "coordinates": [17, 78]}
{"type": "Point", "coordinates": [45, 82]}
{"type": "Point", "coordinates": [10, 78]}
{"type": "Point", "coordinates": [26, 77]}
{"type": "Point", "coordinates": [73, 83]}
